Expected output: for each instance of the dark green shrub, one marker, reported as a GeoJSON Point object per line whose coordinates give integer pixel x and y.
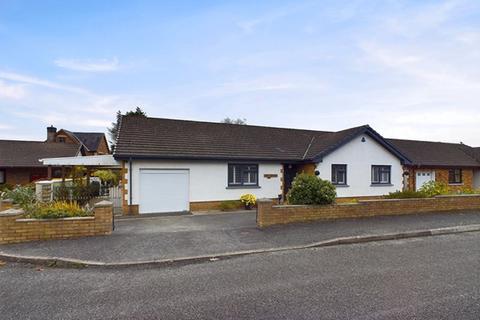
{"type": "Point", "coordinates": [230, 205]}
{"type": "Point", "coordinates": [406, 195]}
{"type": "Point", "coordinates": [6, 187]}
{"type": "Point", "coordinates": [308, 189]}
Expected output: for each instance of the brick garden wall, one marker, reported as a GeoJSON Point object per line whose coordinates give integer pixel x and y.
{"type": "Point", "coordinates": [269, 214]}
{"type": "Point", "coordinates": [14, 229]}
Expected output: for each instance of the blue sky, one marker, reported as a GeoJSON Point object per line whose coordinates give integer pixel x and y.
{"type": "Point", "coordinates": [410, 69]}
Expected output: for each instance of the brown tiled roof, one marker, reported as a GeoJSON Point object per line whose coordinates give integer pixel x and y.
{"type": "Point", "coordinates": [142, 137]}
{"type": "Point", "coordinates": [14, 153]}
{"type": "Point", "coordinates": [426, 153]}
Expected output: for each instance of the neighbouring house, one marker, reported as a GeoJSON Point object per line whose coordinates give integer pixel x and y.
{"type": "Point", "coordinates": [178, 165]}
{"type": "Point", "coordinates": [453, 164]}
{"type": "Point", "coordinates": [19, 160]}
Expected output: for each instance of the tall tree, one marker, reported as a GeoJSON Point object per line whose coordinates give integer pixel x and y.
{"type": "Point", "coordinates": [234, 121]}
{"type": "Point", "coordinates": [113, 129]}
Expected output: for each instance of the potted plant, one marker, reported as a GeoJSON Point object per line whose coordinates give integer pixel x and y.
{"type": "Point", "coordinates": [249, 200]}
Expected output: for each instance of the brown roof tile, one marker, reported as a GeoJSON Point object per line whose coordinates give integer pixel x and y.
{"type": "Point", "coordinates": [14, 153]}
{"type": "Point", "coordinates": [142, 137]}
{"type": "Point", "coordinates": [428, 153]}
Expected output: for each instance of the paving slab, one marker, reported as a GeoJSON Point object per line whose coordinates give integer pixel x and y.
{"type": "Point", "coordinates": [172, 237]}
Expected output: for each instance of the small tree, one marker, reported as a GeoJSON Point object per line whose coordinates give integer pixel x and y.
{"type": "Point", "coordinates": [234, 121]}
{"type": "Point", "coordinates": [308, 189]}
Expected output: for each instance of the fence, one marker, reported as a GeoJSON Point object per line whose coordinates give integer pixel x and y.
{"type": "Point", "coordinates": [83, 195]}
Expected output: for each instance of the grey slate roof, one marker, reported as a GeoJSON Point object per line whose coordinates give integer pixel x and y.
{"type": "Point", "coordinates": [91, 140]}
{"type": "Point", "coordinates": [14, 153]}
{"type": "Point", "coordinates": [142, 137]}
{"type": "Point", "coordinates": [426, 153]}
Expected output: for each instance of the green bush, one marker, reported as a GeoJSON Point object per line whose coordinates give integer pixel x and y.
{"type": "Point", "coordinates": [308, 189]}
{"type": "Point", "coordinates": [434, 188]}
{"type": "Point", "coordinates": [405, 195]}
{"type": "Point", "coordinates": [21, 195]}
{"type": "Point", "coordinates": [230, 205]}
{"type": "Point", "coordinates": [56, 210]}
{"type": "Point", "coordinates": [5, 187]}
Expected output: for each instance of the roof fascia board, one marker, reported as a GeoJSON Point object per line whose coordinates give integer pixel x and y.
{"type": "Point", "coordinates": [373, 134]}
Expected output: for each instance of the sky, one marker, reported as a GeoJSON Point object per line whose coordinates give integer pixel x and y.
{"type": "Point", "coordinates": [409, 69]}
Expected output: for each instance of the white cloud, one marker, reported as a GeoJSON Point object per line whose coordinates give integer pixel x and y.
{"type": "Point", "coordinates": [21, 78]}
{"type": "Point", "coordinates": [11, 91]}
{"type": "Point", "coordinates": [5, 126]}
{"type": "Point", "coordinates": [103, 65]}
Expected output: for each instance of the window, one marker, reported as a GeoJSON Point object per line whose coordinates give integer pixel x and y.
{"type": "Point", "coordinates": [243, 175]}
{"type": "Point", "coordinates": [339, 174]}
{"type": "Point", "coordinates": [381, 174]}
{"type": "Point", "coordinates": [61, 139]}
{"type": "Point", "coordinates": [455, 176]}
{"type": "Point", "coordinates": [2, 176]}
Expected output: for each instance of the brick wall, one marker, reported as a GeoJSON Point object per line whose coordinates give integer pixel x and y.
{"type": "Point", "coordinates": [14, 228]}
{"type": "Point", "coordinates": [441, 175]}
{"type": "Point", "coordinates": [270, 214]}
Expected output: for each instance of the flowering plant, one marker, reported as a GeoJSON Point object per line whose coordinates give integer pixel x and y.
{"type": "Point", "coordinates": [248, 199]}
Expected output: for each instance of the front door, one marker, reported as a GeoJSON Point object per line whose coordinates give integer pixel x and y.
{"type": "Point", "coordinates": [289, 173]}
{"type": "Point", "coordinates": [422, 177]}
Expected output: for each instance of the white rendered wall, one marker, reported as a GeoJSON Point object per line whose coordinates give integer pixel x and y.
{"type": "Point", "coordinates": [359, 157]}
{"type": "Point", "coordinates": [476, 179]}
{"type": "Point", "coordinates": [209, 179]}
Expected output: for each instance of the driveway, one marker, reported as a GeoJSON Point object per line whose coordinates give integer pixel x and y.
{"type": "Point", "coordinates": [143, 239]}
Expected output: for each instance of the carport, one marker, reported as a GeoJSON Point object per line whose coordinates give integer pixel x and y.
{"type": "Point", "coordinates": [91, 163]}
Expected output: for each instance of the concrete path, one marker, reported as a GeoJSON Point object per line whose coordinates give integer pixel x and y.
{"type": "Point", "coordinates": [172, 237]}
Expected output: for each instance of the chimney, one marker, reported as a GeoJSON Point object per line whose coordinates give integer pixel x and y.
{"type": "Point", "coordinates": [51, 132]}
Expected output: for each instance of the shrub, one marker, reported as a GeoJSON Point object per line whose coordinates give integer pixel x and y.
{"type": "Point", "coordinates": [5, 187]}
{"type": "Point", "coordinates": [108, 177]}
{"type": "Point", "coordinates": [78, 192]}
{"type": "Point", "coordinates": [308, 189]}
{"type": "Point", "coordinates": [407, 194]}
{"type": "Point", "coordinates": [56, 210]}
{"type": "Point", "coordinates": [248, 199]}
{"type": "Point", "coordinates": [434, 188]}
{"type": "Point", "coordinates": [21, 195]}
{"type": "Point", "coordinates": [230, 205]}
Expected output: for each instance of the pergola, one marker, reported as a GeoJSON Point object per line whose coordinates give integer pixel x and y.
{"type": "Point", "coordinates": [100, 161]}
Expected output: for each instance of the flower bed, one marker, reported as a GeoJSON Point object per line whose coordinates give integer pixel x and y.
{"type": "Point", "coordinates": [15, 227]}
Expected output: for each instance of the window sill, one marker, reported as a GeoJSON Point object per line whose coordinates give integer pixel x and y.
{"type": "Point", "coordinates": [381, 185]}
{"type": "Point", "coordinates": [455, 184]}
{"type": "Point", "coordinates": [341, 185]}
{"type": "Point", "coordinates": [243, 187]}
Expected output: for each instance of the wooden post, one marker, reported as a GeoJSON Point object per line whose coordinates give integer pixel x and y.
{"type": "Point", "coordinates": [49, 172]}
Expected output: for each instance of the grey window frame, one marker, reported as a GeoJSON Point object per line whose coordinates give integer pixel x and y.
{"type": "Point", "coordinates": [453, 174]}
{"type": "Point", "coordinates": [382, 170]}
{"type": "Point", "coordinates": [243, 168]}
{"type": "Point", "coordinates": [335, 168]}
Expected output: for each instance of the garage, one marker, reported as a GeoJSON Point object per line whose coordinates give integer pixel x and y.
{"type": "Point", "coordinates": [164, 190]}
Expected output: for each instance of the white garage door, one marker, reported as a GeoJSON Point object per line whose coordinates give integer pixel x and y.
{"type": "Point", "coordinates": [163, 190]}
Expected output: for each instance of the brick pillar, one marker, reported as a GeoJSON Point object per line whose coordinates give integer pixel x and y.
{"type": "Point", "coordinates": [263, 208]}
{"type": "Point", "coordinates": [5, 204]}
{"type": "Point", "coordinates": [103, 211]}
